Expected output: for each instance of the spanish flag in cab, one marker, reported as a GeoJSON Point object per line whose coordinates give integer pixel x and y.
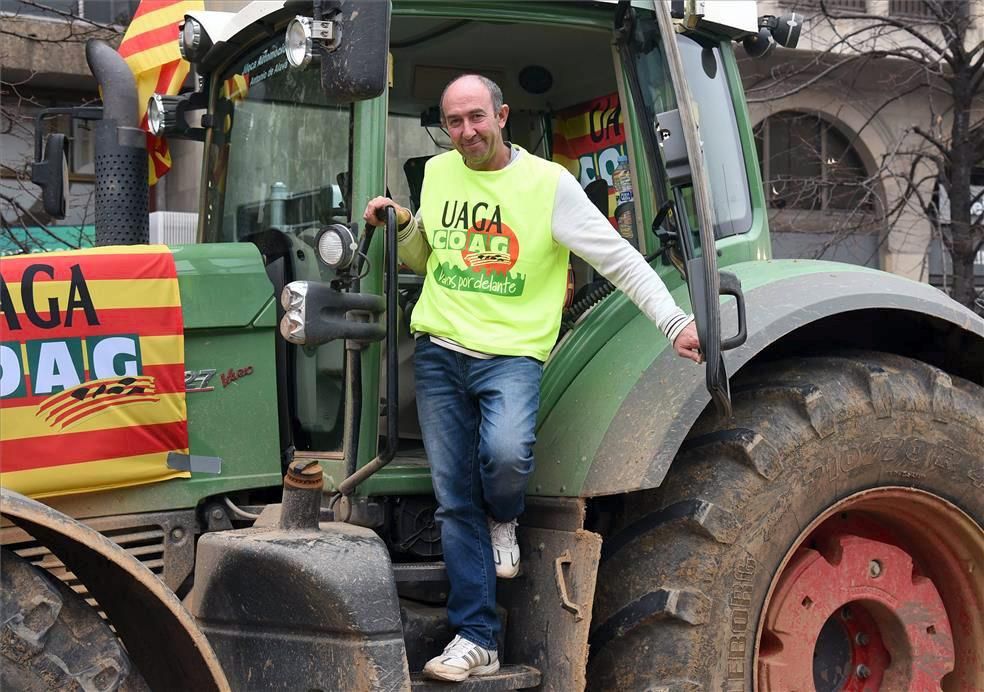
{"type": "Point", "coordinates": [150, 48]}
{"type": "Point", "coordinates": [91, 370]}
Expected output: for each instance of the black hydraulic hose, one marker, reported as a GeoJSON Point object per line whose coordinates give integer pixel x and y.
{"type": "Point", "coordinates": [392, 365]}
{"type": "Point", "coordinates": [360, 259]}
{"type": "Point", "coordinates": [119, 87]}
{"type": "Point", "coordinates": [353, 366]}
{"type": "Point", "coordinates": [586, 303]}
{"type": "Point", "coordinates": [353, 395]}
{"type": "Point", "coordinates": [594, 296]}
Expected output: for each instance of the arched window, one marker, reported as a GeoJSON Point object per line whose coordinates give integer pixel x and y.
{"type": "Point", "coordinates": [808, 163]}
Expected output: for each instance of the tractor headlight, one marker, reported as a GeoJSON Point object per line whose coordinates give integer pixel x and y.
{"type": "Point", "coordinates": [162, 114]}
{"type": "Point", "coordinates": [292, 299]}
{"type": "Point", "coordinates": [337, 246]}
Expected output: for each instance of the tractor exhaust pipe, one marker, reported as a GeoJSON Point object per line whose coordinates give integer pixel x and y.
{"type": "Point", "coordinates": [121, 152]}
{"type": "Point", "coordinates": [301, 509]}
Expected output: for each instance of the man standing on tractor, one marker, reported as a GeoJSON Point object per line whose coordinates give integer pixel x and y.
{"type": "Point", "coordinates": [492, 237]}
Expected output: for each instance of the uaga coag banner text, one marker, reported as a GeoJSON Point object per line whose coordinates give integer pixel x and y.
{"type": "Point", "coordinates": [91, 370]}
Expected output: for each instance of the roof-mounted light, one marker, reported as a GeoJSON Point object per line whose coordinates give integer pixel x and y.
{"type": "Point", "coordinates": [193, 43]}
{"type": "Point", "coordinates": [782, 31]}
{"type": "Point", "coordinates": [306, 38]}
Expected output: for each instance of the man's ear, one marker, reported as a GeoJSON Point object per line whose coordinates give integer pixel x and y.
{"type": "Point", "coordinates": [503, 115]}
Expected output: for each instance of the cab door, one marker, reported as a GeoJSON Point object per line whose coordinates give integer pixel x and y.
{"type": "Point", "coordinates": [668, 118]}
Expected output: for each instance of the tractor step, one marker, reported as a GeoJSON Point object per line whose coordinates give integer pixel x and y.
{"type": "Point", "coordinates": [508, 678]}
{"type": "Point", "coordinates": [419, 572]}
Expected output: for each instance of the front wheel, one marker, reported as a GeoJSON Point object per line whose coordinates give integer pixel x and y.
{"type": "Point", "coordinates": [51, 639]}
{"type": "Point", "coordinates": [826, 537]}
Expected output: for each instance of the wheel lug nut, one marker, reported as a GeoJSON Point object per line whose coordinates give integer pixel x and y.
{"type": "Point", "coordinates": [861, 638]}
{"type": "Point", "coordinates": [863, 672]}
{"type": "Point", "coordinates": [874, 569]}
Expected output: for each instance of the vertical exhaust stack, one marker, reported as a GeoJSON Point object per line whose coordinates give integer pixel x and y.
{"type": "Point", "coordinates": [121, 152]}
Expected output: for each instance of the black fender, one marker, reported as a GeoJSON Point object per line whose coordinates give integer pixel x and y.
{"type": "Point", "coordinates": [160, 635]}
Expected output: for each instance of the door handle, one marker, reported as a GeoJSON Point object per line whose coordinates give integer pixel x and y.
{"type": "Point", "coordinates": [731, 286]}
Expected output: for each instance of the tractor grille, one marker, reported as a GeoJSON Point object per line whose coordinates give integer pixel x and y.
{"type": "Point", "coordinates": [163, 542]}
{"type": "Point", "coordinates": [146, 543]}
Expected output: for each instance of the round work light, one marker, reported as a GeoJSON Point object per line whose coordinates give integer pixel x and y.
{"type": "Point", "coordinates": [337, 246]}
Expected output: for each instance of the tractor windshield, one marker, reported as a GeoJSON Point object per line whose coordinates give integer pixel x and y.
{"type": "Point", "coordinates": [275, 160]}
{"type": "Point", "coordinates": [277, 171]}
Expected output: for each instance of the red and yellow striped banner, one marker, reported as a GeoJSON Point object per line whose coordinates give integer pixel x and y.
{"type": "Point", "coordinates": [150, 48]}
{"type": "Point", "coordinates": [91, 370]}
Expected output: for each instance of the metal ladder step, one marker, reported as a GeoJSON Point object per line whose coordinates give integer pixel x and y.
{"type": "Point", "coordinates": [419, 571]}
{"type": "Point", "coordinates": [508, 678]}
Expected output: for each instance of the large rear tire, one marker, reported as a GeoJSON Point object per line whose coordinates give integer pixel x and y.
{"type": "Point", "coordinates": [826, 536]}
{"type": "Point", "coordinates": [51, 639]}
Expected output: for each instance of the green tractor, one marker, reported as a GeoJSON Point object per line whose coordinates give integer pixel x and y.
{"type": "Point", "coordinates": [804, 511]}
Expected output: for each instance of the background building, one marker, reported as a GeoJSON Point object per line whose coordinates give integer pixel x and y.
{"type": "Point", "coordinates": [835, 143]}
{"type": "Point", "coordinates": [42, 51]}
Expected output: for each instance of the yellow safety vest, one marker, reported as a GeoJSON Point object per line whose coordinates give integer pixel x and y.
{"type": "Point", "coordinates": [496, 278]}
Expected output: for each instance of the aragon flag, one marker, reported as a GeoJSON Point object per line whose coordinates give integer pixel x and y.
{"type": "Point", "coordinates": [92, 393]}
{"type": "Point", "coordinates": [150, 48]}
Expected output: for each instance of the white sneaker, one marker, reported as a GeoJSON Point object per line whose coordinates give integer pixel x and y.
{"type": "Point", "coordinates": [460, 659]}
{"type": "Point", "coordinates": [505, 549]}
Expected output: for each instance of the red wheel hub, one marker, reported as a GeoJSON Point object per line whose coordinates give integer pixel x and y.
{"type": "Point", "coordinates": [854, 614]}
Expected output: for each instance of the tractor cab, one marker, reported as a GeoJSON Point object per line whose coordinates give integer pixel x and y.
{"type": "Point", "coordinates": [285, 159]}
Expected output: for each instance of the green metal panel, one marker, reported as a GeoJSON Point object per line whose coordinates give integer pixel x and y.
{"type": "Point", "coordinates": [237, 420]}
{"type": "Point", "coordinates": [570, 433]}
{"type": "Point", "coordinates": [368, 181]}
{"type": "Point", "coordinates": [222, 284]}
{"type": "Point", "coordinates": [400, 480]}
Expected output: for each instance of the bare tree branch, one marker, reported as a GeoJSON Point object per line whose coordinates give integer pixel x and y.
{"type": "Point", "coordinates": [879, 20]}
{"type": "Point", "coordinates": [933, 156]}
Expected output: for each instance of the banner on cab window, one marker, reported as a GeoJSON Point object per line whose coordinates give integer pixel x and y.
{"type": "Point", "coordinates": [588, 139]}
{"type": "Point", "coordinates": [91, 370]}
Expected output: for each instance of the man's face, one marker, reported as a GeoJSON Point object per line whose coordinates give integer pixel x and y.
{"type": "Point", "coordinates": [475, 129]}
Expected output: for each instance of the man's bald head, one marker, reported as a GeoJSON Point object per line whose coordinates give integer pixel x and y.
{"type": "Point", "coordinates": [495, 93]}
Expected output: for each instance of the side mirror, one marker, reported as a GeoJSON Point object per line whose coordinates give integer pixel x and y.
{"type": "Point", "coordinates": [355, 65]}
{"type": "Point", "coordinates": [51, 175]}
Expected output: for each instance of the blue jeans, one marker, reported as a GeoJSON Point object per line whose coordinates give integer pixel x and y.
{"type": "Point", "coordinates": [478, 419]}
